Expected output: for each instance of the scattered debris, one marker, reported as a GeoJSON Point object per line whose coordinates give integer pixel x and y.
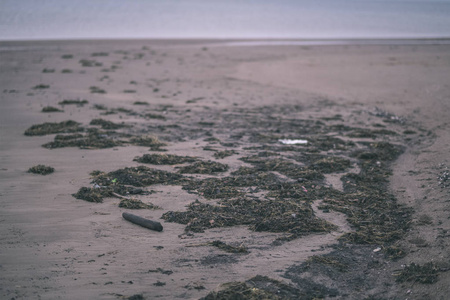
{"type": "Point", "coordinates": [153, 225]}
{"type": "Point", "coordinates": [293, 142]}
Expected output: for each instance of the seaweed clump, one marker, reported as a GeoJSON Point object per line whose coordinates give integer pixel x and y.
{"type": "Point", "coordinates": [284, 167]}
{"type": "Point", "coordinates": [164, 159]}
{"type": "Point", "coordinates": [137, 176]}
{"type": "Point", "coordinates": [229, 248]}
{"type": "Point", "coordinates": [136, 204]}
{"type": "Point", "coordinates": [204, 167]}
{"type": "Point", "coordinates": [428, 273]}
{"type": "Point", "coordinates": [47, 109]}
{"type": "Point", "coordinates": [148, 141]}
{"type": "Point", "coordinates": [105, 124]}
{"type": "Point", "coordinates": [92, 194]}
{"type": "Point", "coordinates": [73, 102]}
{"type": "Point", "coordinates": [290, 217]}
{"type": "Point", "coordinates": [94, 139]}
{"type": "Point", "coordinates": [257, 288]}
{"type": "Point", "coordinates": [41, 169]}
{"type": "Point", "coordinates": [50, 128]}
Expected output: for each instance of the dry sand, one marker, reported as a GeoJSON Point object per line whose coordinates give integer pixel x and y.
{"type": "Point", "coordinates": [54, 246]}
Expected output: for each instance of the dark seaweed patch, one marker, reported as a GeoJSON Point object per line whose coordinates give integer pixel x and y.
{"type": "Point", "coordinates": [41, 87]}
{"type": "Point", "coordinates": [257, 288]}
{"type": "Point", "coordinates": [105, 124]}
{"type": "Point", "coordinates": [293, 218]}
{"type": "Point", "coordinates": [204, 167]}
{"type": "Point", "coordinates": [140, 102]}
{"type": "Point", "coordinates": [137, 176]}
{"type": "Point", "coordinates": [48, 109]}
{"type": "Point", "coordinates": [136, 204]}
{"type": "Point", "coordinates": [97, 90]}
{"type": "Point", "coordinates": [41, 169]}
{"type": "Point", "coordinates": [427, 273]}
{"type": "Point", "coordinates": [92, 194]}
{"type": "Point", "coordinates": [164, 159]}
{"type": "Point", "coordinates": [73, 102]}
{"type": "Point", "coordinates": [229, 248]}
{"type": "Point", "coordinates": [147, 141]}
{"type": "Point", "coordinates": [224, 153]}
{"type": "Point", "coordinates": [284, 167]}
{"type": "Point", "coordinates": [94, 139]}
{"type": "Point", "coordinates": [50, 128]}
{"type": "Point", "coordinates": [90, 63]}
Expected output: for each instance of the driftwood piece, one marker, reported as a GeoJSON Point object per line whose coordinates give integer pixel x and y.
{"type": "Point", "coordinates": [153, 225]}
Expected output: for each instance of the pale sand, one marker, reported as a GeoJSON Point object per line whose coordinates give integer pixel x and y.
{"type": "Point", "coordinates": [54, 246]}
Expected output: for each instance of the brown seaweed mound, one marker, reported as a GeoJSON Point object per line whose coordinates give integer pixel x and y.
{"type": "Point", "coordinates": [41, 169]}
{"type": "Point", "coordinates": [137, 176]}
{"type": "Point", "coordinates": [164, 159]}
{"type": "Point", "coordinates": [204, 167]}
{"type": "Point", "coordinates": [292, 217]}
{"type": "Point", "coordinates": [50, 128]}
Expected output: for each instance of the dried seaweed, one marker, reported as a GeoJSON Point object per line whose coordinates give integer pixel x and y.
{"type": "Point", "coordinates": [258, 288]}
{"type": "Point", "coordinates": [50, 128]}
{"type": "Point", "coordinates": [223, 154]}
{"type": "Point", "coordinates": [92, 194]}
{"type": "Point", "coordinates": [47, 109]}
{"type": "Point", "coordinates": [73, 102]}
{"type": "Point", "coordinates": [147, 141]}
{"type": "Point", "coordinates": [105, 124]}
{"type": "Point", "coordinates": [94, 139]}
{"type": "Point", "coordinates": [229, 248]}
{"type": "Point", "coordinates": [284, 167]}
{"type": "Point", "coordinates": [204, 167]}
{"type": "Point", "coordinates": [136, 204]}
{"type": "Point", "coordinates": [164, 159]}
{"type": "Point", "coordinates": [41, 169]}
{"type": "Point", "coordinates": [427, 273]}
{"type": "Point", "coordinates": [293, 218]}
{"type": "Point", "coordinates": [137, 176]}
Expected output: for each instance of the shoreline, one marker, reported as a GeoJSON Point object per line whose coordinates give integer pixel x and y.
{"type": "Point", "coordinates": [251, 41]}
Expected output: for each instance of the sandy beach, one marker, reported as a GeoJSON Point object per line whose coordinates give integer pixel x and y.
{"type": "Point", "coordinates": [197, 132]}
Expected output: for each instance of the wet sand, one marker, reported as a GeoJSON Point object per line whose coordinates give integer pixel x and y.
{"type": "Point", "coordinates": [199, 98]}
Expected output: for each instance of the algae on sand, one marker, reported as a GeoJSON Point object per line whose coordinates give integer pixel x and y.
{"type": "Point", "coordinates": [50, 128]}
{"type": "Point", "coordinates": [138, 177]}
{"type": "Point", "coordinates": [41, 169]}
{"type": "Point", "coordinates": [164, 159]}
{"type": "Point", "coordinates": [290, 217]}
{"type": "Point", "coordinates": [204, 167]}
{"type": "Point", "coordinates": [136, 204]}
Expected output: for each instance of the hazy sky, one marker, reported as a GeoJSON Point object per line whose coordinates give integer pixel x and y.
{"type": "Point", "coordinates": [69, 19]}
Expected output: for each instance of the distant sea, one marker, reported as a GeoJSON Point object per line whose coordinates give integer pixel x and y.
{"type": "Point", "coordinates": [259, 19]}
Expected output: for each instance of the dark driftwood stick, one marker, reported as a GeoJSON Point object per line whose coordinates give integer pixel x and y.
{"type": "Point", "coordinates": [142, 222]}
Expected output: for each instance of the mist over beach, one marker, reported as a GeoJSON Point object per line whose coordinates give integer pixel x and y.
{"type": "Point", "coordinates": [224, 149]}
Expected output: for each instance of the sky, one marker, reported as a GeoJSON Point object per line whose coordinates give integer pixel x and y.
{"type": "Point", "coordinates": [302, 19]}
